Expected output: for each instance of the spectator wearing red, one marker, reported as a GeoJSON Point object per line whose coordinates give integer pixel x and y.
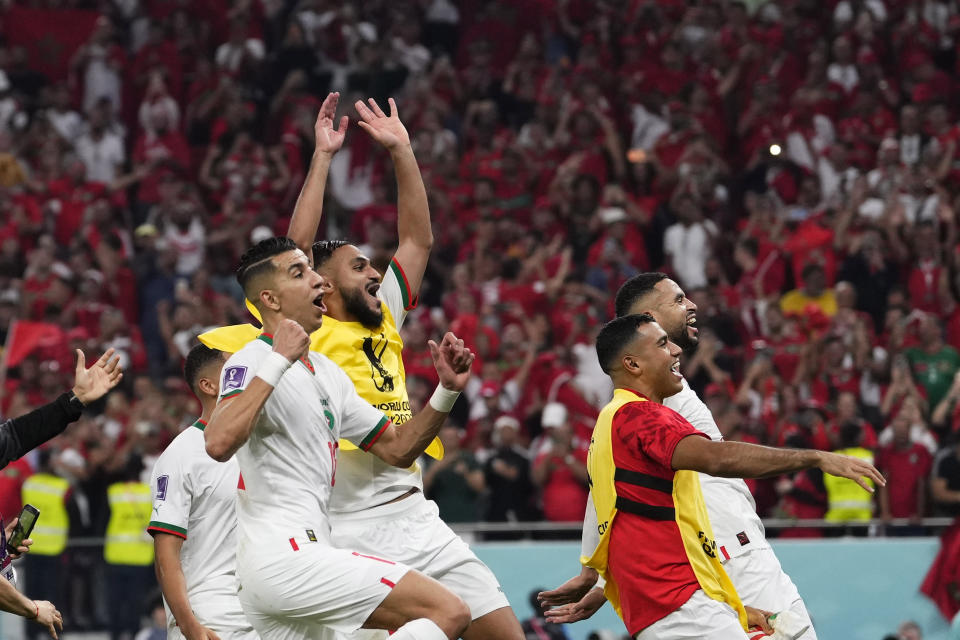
{"type": "Point", "coordinates": [905, 464]}
{"type": "Point", "coordinates": [560, 469]}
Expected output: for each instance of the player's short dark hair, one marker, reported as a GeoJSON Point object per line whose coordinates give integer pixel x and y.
{"type": "Point", "coordinates": [615, 335]}
{"type": "Point", "coordinates": [197, 360]}
{"type": "Point", "coordinates": [635, 288]}
{"type": "Point", "coordinates": [256, 261]}
{"type": "Point", "coordinates": [323, 250]}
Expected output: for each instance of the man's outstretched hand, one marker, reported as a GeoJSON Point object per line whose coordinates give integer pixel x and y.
{"type": "Point", "coordinates": [91, 384]}
{"type": "Point", "coordinates": [577, 611]}
{"type": "Point", "coordinates": [570, 591]}
{"type": "Point", "coordinates": [387, 130]}
{"type": "Point", "coordinates": [329, 139]}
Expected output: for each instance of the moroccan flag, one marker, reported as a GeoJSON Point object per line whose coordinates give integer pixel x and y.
{"type": "Point", "coordinates": [24, 337]}
{"type": "Point", "coordinates": [50, 36]}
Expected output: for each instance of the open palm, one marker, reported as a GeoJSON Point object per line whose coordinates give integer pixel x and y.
{"type": "Point", "coordinates": [329, 139]}
{"type": "Point", "coordinates": [387, 130]}
{"type": "Point", "coordinates": [93, 383]}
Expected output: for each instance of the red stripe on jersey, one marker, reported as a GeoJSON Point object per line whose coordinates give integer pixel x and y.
{"type": "Point", "coordinates": [240, 484]}
{"type": "Point", "coordinates": [293, 543]}
{"type": "Point", "coordinates": [388, 583]}
{"type": "Point", "coordinates": [162, 530]}
{"type": "Point", "coordinates": [723, 550]}
{"type": "Point", "coordinates": [360, 555]}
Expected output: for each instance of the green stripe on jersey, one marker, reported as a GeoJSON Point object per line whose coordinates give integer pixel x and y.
{"type": "Point", "coordinates": [367, 442]}
{"type": "Point", "coordinates": [156, 524]}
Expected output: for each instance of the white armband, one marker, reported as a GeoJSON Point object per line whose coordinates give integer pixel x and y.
{"type": "Point", "coordinates": [273, 368]}
{"type": "Point", "coordinates": [443, 400]}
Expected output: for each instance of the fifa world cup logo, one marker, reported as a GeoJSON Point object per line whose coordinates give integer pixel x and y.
{"type": "Point", "coordinates": [382, 379]}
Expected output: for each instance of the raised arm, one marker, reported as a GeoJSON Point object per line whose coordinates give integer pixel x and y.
{"type": "Point", "coordinates": [413, 213]}
{"type": "Point", "coordinates": [401, 445]}
{"type": "Point", "coordinates": [234, 418]}
{"type": "Point", "coordinates": [741, 460]}
{"type": "Point", "coordinates": [309, 207]}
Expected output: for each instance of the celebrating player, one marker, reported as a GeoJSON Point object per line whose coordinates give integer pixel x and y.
{"type": "Point", "coordinates": [376, 508]}
{"type": "Point", "coordinates": [283, 410]}
{"type": "Point", "coordinates": [744, 551]}
{"type": "Point", "coordinates": [656, 550]}
{"type": "Point", "coordinates": [195, 520]}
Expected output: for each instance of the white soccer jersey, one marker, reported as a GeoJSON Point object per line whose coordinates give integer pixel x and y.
{"type": "Point", "coordinates": [733, 512]}
{"type": "Point", "coordinates": [288, 464]}
{"type": "Point", "coordinates": [195, 498]}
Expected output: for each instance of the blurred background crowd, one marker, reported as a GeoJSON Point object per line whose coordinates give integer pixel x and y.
{"type": "Point", "coordinates": [792, 164]}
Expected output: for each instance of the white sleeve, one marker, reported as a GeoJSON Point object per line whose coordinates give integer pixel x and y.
{"type": "Point", "coordinates": [239, 370]}
{"type": "Point", "coordinates": [395, 292]}
{"type": "Point", "coordinates": [172, 494]}
{"type": "Point", "coordinates": [591, 534]}
{"type": "Point", "coordinates": [360, 422]}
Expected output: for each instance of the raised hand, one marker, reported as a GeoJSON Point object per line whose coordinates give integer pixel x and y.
{"type": "Point", "coordinates": [329, 139]}
{"type": "Point", "coordinates": [290, 340]}
{"type": "Point", "coordinates": [452, 361]}
{"type": "Point", "coordinates": [387, 130]}
{"type": "Point", "coordinates": [849, 467]}
{"type": "Point", "coordinates": [89, 385]}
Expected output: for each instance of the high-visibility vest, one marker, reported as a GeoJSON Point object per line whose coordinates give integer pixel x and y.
{"type": "Point", "coordinates": [846, 500]}
{"type": "Point", "coordinates": [128, 542]}
{"type": "Point", "coordinates": [48, 494]}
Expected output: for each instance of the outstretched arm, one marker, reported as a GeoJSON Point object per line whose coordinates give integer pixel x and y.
{"type": "Point", "coordinates": [309, 207]}
{"type": "Point", "coordinates": [742, 460]}
{"type": "Point", "coordinates": [413, 213]}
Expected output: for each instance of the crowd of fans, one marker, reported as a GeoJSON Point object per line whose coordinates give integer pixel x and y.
{"type": "Point", "coordinates": [792, 164]}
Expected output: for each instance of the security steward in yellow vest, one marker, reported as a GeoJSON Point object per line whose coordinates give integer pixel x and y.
{"type": "Point", "coordinates": [846, 501]}
{"type": "Point", "coordinates": [128, 550]}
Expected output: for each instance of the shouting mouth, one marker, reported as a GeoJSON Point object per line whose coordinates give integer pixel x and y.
{"type": "Point", "coordinates": [675, 369]}
{"type": "Point", "coordinates": [318, 303]}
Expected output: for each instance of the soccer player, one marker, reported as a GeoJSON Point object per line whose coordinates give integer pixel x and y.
{"type": "Point", "coordinates": [656, 550]}
{"type": "Point", "coordinates": [747, 557]}
{"type": "Point", "coordinates": [195, 521]}
{"type": "Point", "coordinates": [283, 410]}
{"type": "Point", "coordinates": [376, 508]}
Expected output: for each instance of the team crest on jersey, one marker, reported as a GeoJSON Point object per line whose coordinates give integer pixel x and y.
{"type": "Point", "coordinates": [162, 487]}
{"type": "Point", "coordinates": [233, 378]}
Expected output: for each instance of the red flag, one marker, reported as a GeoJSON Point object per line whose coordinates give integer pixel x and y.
{"type": "Point", "coordinates": [50, 36]}
{"type": "Point", "coordinates": [26, 336]}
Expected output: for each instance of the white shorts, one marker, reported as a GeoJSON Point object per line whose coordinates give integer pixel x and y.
{"type": "Point", "coordinates": [700, 618]}
{"type": "Point", "coordinates": [174, 633]}
{"type": "Point", "coordinates": [411, 531]}
{"type": "Point", "coordinates": [303, 594]}
{"type": "Point", "coordinates": [761, 583]}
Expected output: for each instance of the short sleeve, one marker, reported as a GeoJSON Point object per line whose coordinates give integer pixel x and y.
{"type": "Point", "coordinates": [239, 370]}
{"type": "Point", "coordinates": [172, 492]}
{"type": "Point", "coordinates": [652, 430]}
{"type": "Point", "coordinates": [395, 292]}
{"type": "Point", "coordinates": [360, 422]}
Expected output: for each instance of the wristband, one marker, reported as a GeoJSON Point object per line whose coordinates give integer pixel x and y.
{"type": "Point", "coordinates": [273, 368]}
{"type": "Point", "coordinates": [442, 399]}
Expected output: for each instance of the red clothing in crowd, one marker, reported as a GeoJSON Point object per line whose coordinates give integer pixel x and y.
{"type": "Point", "coordinates": [904, 469]}
{"type": "Point", "coordinates": [564, 495]}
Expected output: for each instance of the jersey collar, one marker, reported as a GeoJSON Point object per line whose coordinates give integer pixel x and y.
{"type": "Point", "coordinates": [200, 424]}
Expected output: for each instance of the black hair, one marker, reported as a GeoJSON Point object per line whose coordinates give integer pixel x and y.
{"type": "Point", "coordinates": [809, 269]}
{"type": "Point", "coordinates": [635, 288]}
{"type": "Point", "coordinates": [850, 434]}
{"type": "Point", "coordinates": [615, 335]}
{"type": "Point", "coordinates": [750, 245]}
{"type": "Point", "coordinates": [323, 250]}
{"type": "Point", "coordinates": [256, 260]}
{"type": "Point", "coordinates": [197, 360]}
